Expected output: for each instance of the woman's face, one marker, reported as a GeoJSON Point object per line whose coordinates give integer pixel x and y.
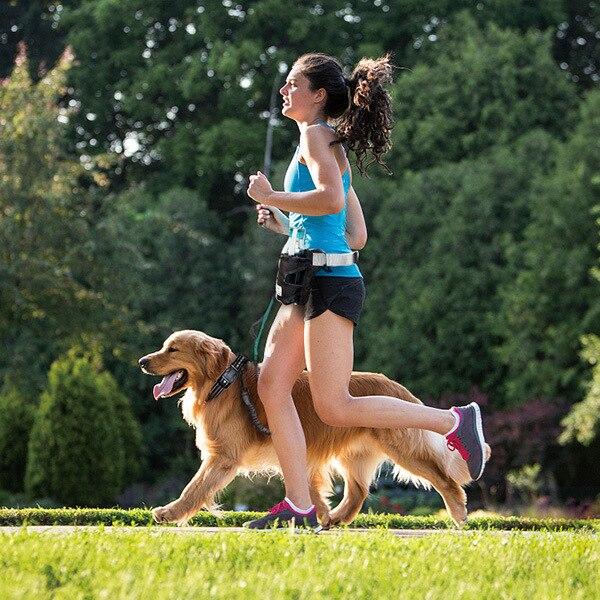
{"type": "Point", "coordinates": [299, 102]}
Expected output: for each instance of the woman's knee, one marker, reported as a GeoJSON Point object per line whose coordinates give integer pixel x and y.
{"type": "Point", "coordinates": [333, 410]}
{"type": "Point", "coordinates": [265, 384]}
{"type": "Point", "coordinates": [271, 387]}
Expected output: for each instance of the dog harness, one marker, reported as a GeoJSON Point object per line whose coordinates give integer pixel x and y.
{"type": "Point", "coordinates": [226, 378]}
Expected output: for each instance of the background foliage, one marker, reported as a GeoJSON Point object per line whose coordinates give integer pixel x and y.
{"type": "Point", "coordinates": [128, 131]}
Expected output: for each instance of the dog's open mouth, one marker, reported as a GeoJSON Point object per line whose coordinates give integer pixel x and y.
{"type": "Point", "coordinates": [171, 384]}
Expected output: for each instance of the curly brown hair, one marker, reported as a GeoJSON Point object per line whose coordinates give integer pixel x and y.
{"type": "Point", "coordinates": [360, 104]}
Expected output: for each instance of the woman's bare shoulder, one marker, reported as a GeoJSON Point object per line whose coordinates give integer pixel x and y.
{"type": "Point", "coordinates": [316, 140]}
{"type": "Point", "coordinates": [317, 135]}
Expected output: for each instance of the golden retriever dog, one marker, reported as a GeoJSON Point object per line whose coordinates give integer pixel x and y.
{"type": "Point", "coordinates": [230, 444]}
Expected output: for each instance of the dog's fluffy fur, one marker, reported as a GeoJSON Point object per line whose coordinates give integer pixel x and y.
{"type": "Point", "coordinates": [229, 444]}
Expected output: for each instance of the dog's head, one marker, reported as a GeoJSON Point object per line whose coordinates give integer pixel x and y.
{"type": "Point", "coordinates": [187, 359]}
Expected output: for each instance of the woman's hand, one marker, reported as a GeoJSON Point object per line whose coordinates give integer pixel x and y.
{"type": "Point", "coordinates": [259, 188]}
{"type": "Point", "coordinates": [272, 218]}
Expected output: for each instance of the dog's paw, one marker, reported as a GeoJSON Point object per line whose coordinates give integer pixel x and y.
{"type": "Point", "coordinates": [159, 514]}
{"type": "Point", "coordinates": [459, 516]}
{"type": "Point", "coordinates": [336, 519]}
{"type": "Point", "coordinates": [167, 514]}
{"type": "Point", "coordinates": [460, 523]}
{"type": "Point", "coordinates": [324, 519]}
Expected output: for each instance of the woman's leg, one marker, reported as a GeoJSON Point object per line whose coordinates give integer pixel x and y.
{"type": "Point", "coordinates": [329, 352]}
{"type": "Point", "coordinates": [282, 364]}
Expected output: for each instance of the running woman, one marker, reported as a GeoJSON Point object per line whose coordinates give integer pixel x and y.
{"type": "Point", "coordinates": [325, 213]}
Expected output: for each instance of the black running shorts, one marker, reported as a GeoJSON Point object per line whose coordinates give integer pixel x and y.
{"type": "Point", "coordinates": [342, 295]}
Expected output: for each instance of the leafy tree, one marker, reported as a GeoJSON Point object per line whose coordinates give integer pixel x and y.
{"type": "Point", "coordinates": [369, 27]}
{"type": "Point", "coordinates": [577, 46]}
{"type": "Point", "coordinates": [444, 237]}
{"type": "Point", "coordinates": [35, 24]}
{"type": "Point", "coordinates": [82, 436]}
{"type": "Point", "coordinates": [441, 252]}
{"type": "Point", "coordinates": [553, 300]}
{"type": "Point", "coordinates": [37, 203]}
{"type": "Point", "coordinates": [67, 266]}
{"type": "Point", "coordinates": [477, 88]}
{"type": "Point", "coordinates": [187, 277]}
{"type": "Point", "coordinates": [185, 264]}
{"type": "Point", "coordinates": [16, 418]}
{"type": "Point", "coordinates": [226, 58]}
{"type": "Point", "coordinates": [581, 424]}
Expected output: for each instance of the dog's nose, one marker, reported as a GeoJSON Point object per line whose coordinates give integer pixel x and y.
{"type": "Point", "coordinates": [143, 361]}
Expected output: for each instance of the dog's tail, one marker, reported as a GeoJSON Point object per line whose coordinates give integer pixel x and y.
{"type": "Point", "coordinates": [451, 462]}
{"type": "Point", "coordinates": [432, 445]}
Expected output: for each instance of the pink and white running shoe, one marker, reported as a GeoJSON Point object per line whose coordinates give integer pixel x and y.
{"type": "Point", "coordinates": [467, 437]}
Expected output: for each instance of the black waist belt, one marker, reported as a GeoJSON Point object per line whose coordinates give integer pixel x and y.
{"type": "Point", "coordinates": [295, 272]}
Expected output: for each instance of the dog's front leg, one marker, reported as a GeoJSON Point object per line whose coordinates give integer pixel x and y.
{"type": "Point", "coordinates": [214, 474]}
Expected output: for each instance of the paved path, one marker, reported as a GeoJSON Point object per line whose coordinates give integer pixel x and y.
{"type": "Point", "coordinates": [160, 530]}
{"type": "Point", "coordinates": [64, 529]}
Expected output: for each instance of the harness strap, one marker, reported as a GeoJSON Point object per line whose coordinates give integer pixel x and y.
{"type": "Point", "coordinates": [252, 412]}
{"type": "Point", "coordinates": [229, 375]}
{"type": "Point", "coordinates": [226, 378]}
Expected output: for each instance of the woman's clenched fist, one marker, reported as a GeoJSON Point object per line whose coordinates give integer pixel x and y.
{"type": "Point", "coordinates": [259, 188]}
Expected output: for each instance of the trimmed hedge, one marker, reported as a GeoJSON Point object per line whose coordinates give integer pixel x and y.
{"type": "Point", "coordinates": [139, 517]}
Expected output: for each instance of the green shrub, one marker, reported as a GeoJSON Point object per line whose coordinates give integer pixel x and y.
{"type": "Point", "coordinates": [16, 419]}
{"type": "Point", "coordinates": [82, 435]}
{"type": "Point", "coordinates": [128, 428]}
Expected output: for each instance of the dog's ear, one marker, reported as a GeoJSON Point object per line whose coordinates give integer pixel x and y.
{"type": "Point", "coordinates": [212, 356]}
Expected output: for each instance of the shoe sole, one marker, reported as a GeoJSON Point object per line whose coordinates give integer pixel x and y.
{"type": "Point", "coordinates": [291, 525]}
{"type": "Point", "coordinates": [479, 429]}
{"type": "Point", "coordinates": [300, 530]}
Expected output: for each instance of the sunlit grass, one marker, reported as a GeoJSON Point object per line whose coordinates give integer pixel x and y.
{"type": "Point", "coordinates": [158, 563]}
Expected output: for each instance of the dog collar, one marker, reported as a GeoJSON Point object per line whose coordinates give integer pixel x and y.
{"type": "Point", "coordinates": [227, 377]}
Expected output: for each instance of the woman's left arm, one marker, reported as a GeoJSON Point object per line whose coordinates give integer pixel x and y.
{"type": "Point", "coordinates": [356, 228]}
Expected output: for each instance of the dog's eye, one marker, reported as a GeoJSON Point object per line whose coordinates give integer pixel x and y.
{"type": "Point", "coordinates": [171, 349]}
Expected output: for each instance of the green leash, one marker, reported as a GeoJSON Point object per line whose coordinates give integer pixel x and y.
{"type": "Point", "coordinates": [263, 322]}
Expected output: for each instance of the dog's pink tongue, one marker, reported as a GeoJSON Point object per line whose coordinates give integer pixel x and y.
{"type": "Point", "coordinates": [165, 386]}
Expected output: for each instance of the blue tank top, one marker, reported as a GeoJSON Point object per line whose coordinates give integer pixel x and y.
{"type": "Point", "coordinates": [321, 232]}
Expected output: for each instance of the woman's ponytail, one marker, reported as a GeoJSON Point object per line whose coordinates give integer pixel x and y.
{"type": "Point", "coordinates": [367, 123]}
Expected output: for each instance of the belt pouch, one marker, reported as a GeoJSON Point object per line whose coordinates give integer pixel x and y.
{"type": "Point", "coordinates": [294, 277]}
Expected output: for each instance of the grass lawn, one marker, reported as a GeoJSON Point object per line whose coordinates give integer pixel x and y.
{"type": "Point", "coordinates": [154, 562]}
